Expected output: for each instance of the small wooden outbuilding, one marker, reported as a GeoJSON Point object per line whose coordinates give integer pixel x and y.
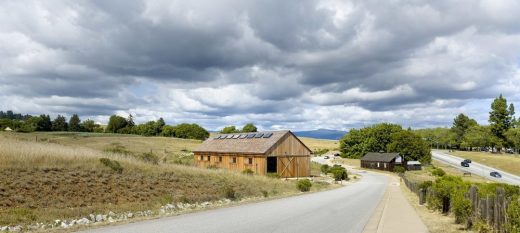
{"type": "Point", "coordinates": [413, 165]}
{"type": "Point", "coordinates": [382, 161]}
{"type": "Point", "coordinates": [278, 152]}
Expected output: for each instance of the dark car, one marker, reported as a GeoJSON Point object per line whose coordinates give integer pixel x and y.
{"type": "Point", "coordinates": [510, 151]}
{"type": "Point", "coordinates": [495, 174]}
{"type": "Point", "coordinates": [467, 161]}
{"type": "Point", "coordinates": [464, 164]}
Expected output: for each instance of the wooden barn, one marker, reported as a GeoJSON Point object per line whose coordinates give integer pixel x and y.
{"type": "Point", "coordinates": [278, 152]}
{"type": "Point", "coordinates": [381, 161]}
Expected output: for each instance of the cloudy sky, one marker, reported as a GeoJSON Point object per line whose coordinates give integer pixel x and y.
{"type": "Point", "coordinates": [280, 64]}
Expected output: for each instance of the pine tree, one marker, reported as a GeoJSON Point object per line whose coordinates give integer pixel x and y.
{"type": "Point", "coordinates": [500, 119]}
{"type": "Point", "coordinates": [75, 123]}
{"type": "Point", "coordinates": [59, 124]}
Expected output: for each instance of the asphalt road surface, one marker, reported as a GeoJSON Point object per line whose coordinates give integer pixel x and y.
{"type": "Point", "coordinates": [345, 209]}
{"type": "Point", "coordinates": [476, 168]}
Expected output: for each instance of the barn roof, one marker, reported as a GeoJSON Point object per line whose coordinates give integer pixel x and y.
{"type": "Point", "coordinates": [244, 143]}
{"type": "Point", "coordinates": [379, 157]}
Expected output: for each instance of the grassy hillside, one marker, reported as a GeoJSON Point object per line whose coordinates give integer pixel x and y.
{"type": "Point", "coordinates": [507, 162]}
{"type": "Point", "coordinates": [319, 144]}
{"type": "Point", "coordinates": [60, 176]}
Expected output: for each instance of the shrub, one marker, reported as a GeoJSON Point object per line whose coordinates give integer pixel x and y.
{"type": "Point", "coordinates": [149, 157]}
{"type": "Point", "coordinates": [230, 193]}
{"type": "Point", "coordinates": [513, 215]}
{"type": "Point", "coordinates": [324, 169]}
{"type": "Point", "coordinates": [399, 169]}
{"type": "Point", "coordinates": [248, 171]}
{"type": "Point", "coordinates": [112, 164]}
{"type": "Point", "coordinates": [213, 166]}
{"type": "Point", "coordinates": [438, 172]}
{"type": "Point", "coordinates": [265, 193]}
{"type": "Point", "coordinates": [339, 173]}
{"type": "Point", "coordinates": [461, 206]}
{"type": "Point", "coordinates": [426, 184]}
{"type": "Point", "coordinates": [304, 185]}
{"type": "Point", "coordinates": [273, 175]}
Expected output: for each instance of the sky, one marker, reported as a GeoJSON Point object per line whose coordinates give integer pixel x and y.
{"type": "Point", "coordinates": [294, 64]}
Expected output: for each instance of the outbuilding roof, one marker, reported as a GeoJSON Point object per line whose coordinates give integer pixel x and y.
{"type": "Point", "coordinates": [379, 157]}
{"type": "Point", "coordinates": [244, 143]}
{"type": "Point", "coordinates": [413, 163]}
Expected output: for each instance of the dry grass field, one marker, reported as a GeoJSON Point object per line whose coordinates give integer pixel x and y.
{"type": "Point", "coordinates": [60, 176]}
{"type": "Point", "coordinates": [318, 144]}
{"type": "Point", "coordinates": [507, 162]}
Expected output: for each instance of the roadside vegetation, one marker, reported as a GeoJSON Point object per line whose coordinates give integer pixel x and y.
{"type": "Point", "coordinates": [482, 207]}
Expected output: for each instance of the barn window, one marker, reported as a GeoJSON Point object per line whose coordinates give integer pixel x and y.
{"type": "Point", "coordinates": [249, 160]}
{"type": "Point", "coordinates": [220, 158]}
{"type": "Point", "coordinates": [209, 158]}
{"type": "Point", "coordinates": [201, 158]}
{"type": "Point", "coordinates": [234, 160]}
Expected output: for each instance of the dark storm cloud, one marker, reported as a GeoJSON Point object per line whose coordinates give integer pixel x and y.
{"type": "Point", "coordinates": [267, 61]}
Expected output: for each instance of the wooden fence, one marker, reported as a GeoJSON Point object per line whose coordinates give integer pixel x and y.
{"type": "Point", "coordinates": [491, 209]}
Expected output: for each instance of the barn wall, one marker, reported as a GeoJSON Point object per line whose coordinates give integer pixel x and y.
{"type": "Point", "coordinates": [289, 145]}
{"type": "Point", "coordinates": [294, 166]}
{"type": "Point", "coordinates": [258, 166]}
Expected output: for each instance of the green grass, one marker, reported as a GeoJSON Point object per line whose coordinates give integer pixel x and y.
{"type": "Point", "coordinates": [426, 174]}
{"type": "Point", "coordinates": [506, 162]}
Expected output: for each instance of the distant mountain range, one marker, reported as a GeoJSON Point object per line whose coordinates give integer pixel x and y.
{"type": "Point", "coordinates": [321, 134]}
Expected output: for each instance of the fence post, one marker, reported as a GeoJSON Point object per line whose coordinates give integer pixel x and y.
{"type": "Point", "coordinates": [422, 196]}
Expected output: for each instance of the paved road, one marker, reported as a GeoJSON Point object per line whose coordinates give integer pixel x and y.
{"type": "Point", "coordinates": [476, 168]}
{"type": "Point", "coordinates": [346, 209]}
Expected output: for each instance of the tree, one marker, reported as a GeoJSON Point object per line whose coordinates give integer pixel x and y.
{"type": "Point", "coordinates": [89, 125]}
{"type": "Point", "coordinates": [116, 123]}
{"type": "Point", "coordinates": [75, 123]}
{"type": "Point", "coordinates": [375, 138]}
{"type": "Point", "coordinates": [411, 146]}
{"type": "Point", "coordinates": [229, 129]}
{"type": "Point", "coordinates": [159, 125]}
{"type": "Point", "coordinates": [168, 131]}
{"type": "Point", "coordinates": [59, 124]}
{"type": "Point", "coordinates": [477, 136]}
{"type": "Point", "coordinates": [513, 138]}
{"type": "Point", "coordinates": [500, 119]}
{"type": "Point", "coordinates": [191, 131]}
{"type": "Point", "coordinates": [130, 121]}
{"type": "Point", "coordinates": [249, 128]}
{"type": "Point", "coordinates": [45, 123]}
{"type": "Point", "coordinates": [461, 124]}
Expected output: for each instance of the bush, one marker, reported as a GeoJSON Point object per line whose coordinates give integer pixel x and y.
{"type": "Point", "coordinates": [399, 169]}
{"type": "Point", "coordinates": [339, 173]}
{"type": "Point", "coordinates": [273, 175]}
{"type": "Point", "coordinates": [324, 169]}
{"type": "Point", "coordinates": [513, 215]}
{"type": "Point", "coordinates": [149, 157]}
{"type": "Point", "coordinates": [426, 184]}
{"type": "Point", "coordinates": [112, 164]}
{"type": "Point", "coordinates": [248, 171]}
{"type": "Point", "coordinates": [461, 206]}
{"type": "Point", "coordinates": [265, 193]}
{"type": "Point", "coordinates": [304, 185]}
{"type": "Point", "coordinates": [213, 166]}
{"type": "Point", "coordinates": [230, 193]}
{"type": "Point", "coordinates": [438, 172]}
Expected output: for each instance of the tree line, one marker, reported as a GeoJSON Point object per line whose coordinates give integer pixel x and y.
{"type": "Point", "coordinates": [248, 128]}
{"type": "Point", "coordinates": [116, 124]}
{"type": "Point", "coordinates": [465, 133]}
{"type": "Point", "coordinates": [385, 137]}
